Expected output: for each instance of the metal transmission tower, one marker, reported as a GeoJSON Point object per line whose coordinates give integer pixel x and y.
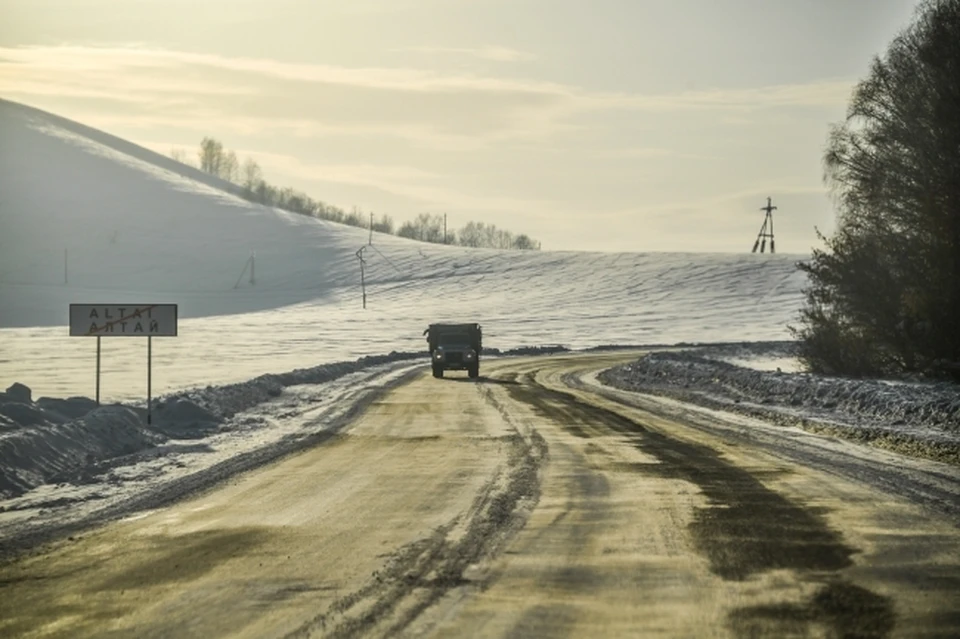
{"type": "Point", "coordinates": [766, 230]}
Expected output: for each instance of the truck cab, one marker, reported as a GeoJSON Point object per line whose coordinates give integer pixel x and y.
{"type": "Point", "coordinates": [454, 347]}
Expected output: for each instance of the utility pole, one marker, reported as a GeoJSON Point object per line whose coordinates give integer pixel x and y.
{"type": "Point", "coordinates": [444, 228]}
{"type": "Point", "coordinates": [371, 229]}
{"type": "Point", "coordinates": [764, 231]}
{"type": "Point", "coordinates": [363, 283]}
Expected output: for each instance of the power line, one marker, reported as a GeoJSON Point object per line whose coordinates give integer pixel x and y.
{"type": "Point", "coordinates": [387, 259]}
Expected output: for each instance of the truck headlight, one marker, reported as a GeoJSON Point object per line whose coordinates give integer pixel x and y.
{"type": "Point", "coordinates": [438, 355]}
{"type": "Point", "coordinates": [470, 355]}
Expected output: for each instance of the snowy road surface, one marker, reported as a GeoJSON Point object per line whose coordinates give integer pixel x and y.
{"type": "Point", "coordinates": [531, 502]}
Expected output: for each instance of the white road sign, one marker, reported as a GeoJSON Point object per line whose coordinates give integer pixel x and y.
{"type": "Point", "coordinates": [123, 320]}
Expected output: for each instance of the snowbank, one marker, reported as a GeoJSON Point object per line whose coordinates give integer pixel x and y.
{"type": "Point", "coordinates": [54, 441]}
{"type": "Point", "coordinates": [51, 452]}
{"type": "Point", "coordinates": [921, 419]}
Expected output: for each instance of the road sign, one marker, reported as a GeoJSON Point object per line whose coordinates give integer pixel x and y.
{"type": "Point", "coordinates": [123, 320]}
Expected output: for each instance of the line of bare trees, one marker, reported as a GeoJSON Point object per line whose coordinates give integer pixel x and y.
{"type": "Point", "coordinates": [215, 159]}
{"type": "Point", "coordinates": [429, 227]}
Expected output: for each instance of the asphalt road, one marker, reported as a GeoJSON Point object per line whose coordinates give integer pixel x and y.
{"type": "Point", "coordinates": [527, 503]}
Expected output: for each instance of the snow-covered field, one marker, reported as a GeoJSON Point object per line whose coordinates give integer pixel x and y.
{"type": "Point", "coordinates": [88, 218]}
{"type": "Point", "coordinates": [136, 231]}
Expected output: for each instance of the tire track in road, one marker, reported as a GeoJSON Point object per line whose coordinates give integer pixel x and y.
{"type": "Point", "coordinates": [415, 577]}
{"type": "Point", "coordinates": [574, 519]}
{"type": "Point", "coordinates": [746, 529]}
{"type": "Point", "coordinates": [933, 485]}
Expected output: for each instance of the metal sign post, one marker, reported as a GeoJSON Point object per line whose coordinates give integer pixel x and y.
{"type": "Point", "coordinates": [125, 320]}
{"type": "Point", "coordinates": [98, 370]}
{"type": "Point", "coordinates": [149, 376]}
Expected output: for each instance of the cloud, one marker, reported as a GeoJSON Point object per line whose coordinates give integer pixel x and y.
{"type": "Point", "coordinates": [134, 86]}
{"type": "Point", "coordinates": [492, 53]}
{"type": "Point", "coordinates": [643, 153]}
{"type": "Point", "coordinates": [79, 60]}
{"type": "Point", "coordinates": [821, 94]}
{"type": "Point", "coordinates": [124, 87]}
{"type": "Point", "coordinates": [82, 58]}
{"type": "Point", "coordinates": [203, 122]}
{"type": "Point", "coordinates": [426, 109]}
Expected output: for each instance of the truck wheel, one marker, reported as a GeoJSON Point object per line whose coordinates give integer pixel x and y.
{"type": "Point", "coordinates": [437, 371]}
{"type": "Point", "coordinates": [474, 371]}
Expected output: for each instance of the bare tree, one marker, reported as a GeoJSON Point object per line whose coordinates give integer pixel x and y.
{"type": "Point", "coordinates": [252, 176]}
{"type": "Point", "coordinates": [471, 234]}
{"type": "Point", "coordinates": [230, 168]}
{"type": "Point", "coordinates": [211, 156]}
{"type": "Point", "coordinates": [426, 228]}
{"type": "Point", "coordinates": [384, 224]}
{"type": "Point", "coordinates": [180, 156]}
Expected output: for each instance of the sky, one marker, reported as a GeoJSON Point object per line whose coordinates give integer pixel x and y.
{"type": "Point", "coordinates": [609, 125]}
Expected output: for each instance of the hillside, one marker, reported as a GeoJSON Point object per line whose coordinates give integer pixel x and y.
{"type": "Point", "coordinates": [134, 226]}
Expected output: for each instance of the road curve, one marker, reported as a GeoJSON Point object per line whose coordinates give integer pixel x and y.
{"type": "Point", "coordinates": [528, 503]}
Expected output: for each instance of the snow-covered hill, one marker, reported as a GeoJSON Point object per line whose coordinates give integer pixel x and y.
{"type": "Point", "coordinates": [86, 217]}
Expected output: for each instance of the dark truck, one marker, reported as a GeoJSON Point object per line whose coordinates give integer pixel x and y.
{"type": "Point", "coordinates": [454, 347]}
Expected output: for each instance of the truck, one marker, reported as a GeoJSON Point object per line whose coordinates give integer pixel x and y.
{"type": "Point", "coordinates": [455, 347]}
